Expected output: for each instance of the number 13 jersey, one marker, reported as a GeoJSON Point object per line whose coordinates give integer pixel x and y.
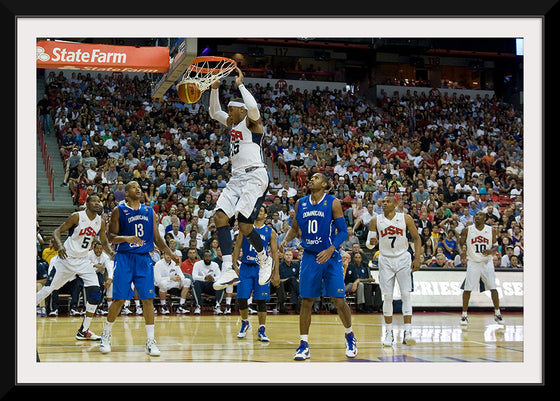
{"type": "Point", "coordinates": [392, 235]}
{"type": "Point", "coordinates": [136, 222]}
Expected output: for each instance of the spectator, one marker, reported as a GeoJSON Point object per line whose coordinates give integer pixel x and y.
{"type": "Point", "coordinates": [41, 279]}
{"type": "Point", "coordinates": [514, 262]}
{"type": "Point", "coordinates": [286, 188]}
{"type": "Point", "coordinates": [449, 244]}
{"type": "Point", "coordinates": [168, 276]}
{"type": "Point", "coordinates": [289, 281]}
{"type": "Point", "coordinates": [421, 194]}
{"type": "Point", "coordinates": [506, 259]}
{"type": "Point", "coordinates": [205, 272]}
{"type": "Point", "coordinates": [441, 261]}
{"type": "Point", "coordinates": [358, 280]}
{"type": "Point", "coordinates": [50, 251]}
{"type": "Point", "coordinates": [350, 241]}
{"type": "Point", "coordinates": [188, 262]}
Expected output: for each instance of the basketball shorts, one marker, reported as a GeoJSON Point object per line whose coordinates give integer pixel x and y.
{"type": "Point", "coordinates": [325, 279]}
{"type": "Point", "coordinates": [249, 283]}
{"type": "Point", "coordinates": [477, 271]}
{"type": "Point", "coordinates": [63, 270]}
{"type": "Point", "coordinates": [133, 268]}
{"type": "Point", "coordinates": [244, 194]}
{"type": "Point", "coordinates": [397, 268]}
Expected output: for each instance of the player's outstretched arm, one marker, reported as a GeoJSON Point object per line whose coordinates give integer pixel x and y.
{"type": "Point", "coordinates": [214, 109]}
{"type": "Point", "coordinates": [252, 106]}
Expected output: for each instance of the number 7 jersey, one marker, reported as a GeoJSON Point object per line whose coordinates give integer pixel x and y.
{"type": "Point", "coordinates": [392, 235]}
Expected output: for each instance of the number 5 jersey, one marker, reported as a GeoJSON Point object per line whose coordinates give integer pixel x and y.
{"type": "Point", "coordinates": [79, 240]}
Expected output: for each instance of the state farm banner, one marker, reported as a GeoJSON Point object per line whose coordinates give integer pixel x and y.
{"type": "Point", "coordinates": [96, 57]}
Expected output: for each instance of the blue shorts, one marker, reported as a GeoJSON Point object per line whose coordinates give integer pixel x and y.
{"type": "Point", "coordinates": [325, 279]}
{"type": "Point", "coordinates": [249, 283]}
{"type": "Point", "coordinates": [133, 268]}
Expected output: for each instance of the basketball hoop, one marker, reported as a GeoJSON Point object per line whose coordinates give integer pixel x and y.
{"type": "Point", "coordinates": [205, 70]}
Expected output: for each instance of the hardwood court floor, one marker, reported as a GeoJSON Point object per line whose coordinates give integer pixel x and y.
{"type": "Point", "coordinates": [209, 338]}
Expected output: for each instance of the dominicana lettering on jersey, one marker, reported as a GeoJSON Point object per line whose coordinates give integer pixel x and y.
{"type": "Point", "coordinates": [317, 213]}
{"type": "Point", "coordinates": [316, 223]}
{"type": "Point", "coordinates": [132, 219]}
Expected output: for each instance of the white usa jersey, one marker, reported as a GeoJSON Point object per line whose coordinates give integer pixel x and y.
{"type": "Point", "coordinates": [79, 241]}
{"type": "Point", "coordinates": [477, 242]}
{"type": "Point", "coordinates": [245, 148]}
{"type": "Point", "coordinates": [392, 235]}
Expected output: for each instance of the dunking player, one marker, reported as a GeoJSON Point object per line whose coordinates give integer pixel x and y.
{"type": "Point", "coordinates": [72, 260]}
{"type": "Point", "coordinates": [244, 193]}
{"type": "Point", "coordinates": [481, 242]}
{"type": "Point", "coordinates": [133, 229]}
{"type": "Point", "coordinates": [323, 230]}
{"type": "Point", "coordinates": [249, 272]}
{"type": "Point", "coordinates": [395, 262]}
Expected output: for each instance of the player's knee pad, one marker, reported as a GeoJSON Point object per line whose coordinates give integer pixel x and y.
{"type": "Point", "coordinates": [261, 305]}
{"type": "Point", "coordinates": [387, 305]}
{"type": "Point", "coordinates": [91, 308]}
{"type": "Point", "coordinates": [93, 295]}
{"type": "Point", "coordinates": [406, 300]}
{"type": "Point", "coordinates": [242, 303]}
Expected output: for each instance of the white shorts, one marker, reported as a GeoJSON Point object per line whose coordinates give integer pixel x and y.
{"type": "Point", "coordinates": [399, 268]}
{"type": "Point", "coordinates": [70, 268]}
{"type": "Point", "coordinates": [242, 192]}
{"type": "Point", "coordinates": [167, 284]}
{"type": "Point", "coordinates": [477, 271]}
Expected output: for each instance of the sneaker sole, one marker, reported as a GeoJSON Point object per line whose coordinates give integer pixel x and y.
{"type": "Point", "coordinates": [353, 355]}
{"type": "Point", "coordinates": [105, 350]}
{"type": "Point", "coordinates": [267, 280]}
{"type": "Point", "coordinates": [221, 286]}
{"type": "Point", "coordinates": [87, 339]}
{"type": "Point", "coordinates": [301, 358]}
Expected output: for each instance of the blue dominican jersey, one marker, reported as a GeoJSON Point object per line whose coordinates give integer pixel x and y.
{"type": "Point", "coordinates": [316, 223]}
{"type": "Point", "coordinates": [250, 255]}
{"type": "Point", "coordinates": [138, 223]}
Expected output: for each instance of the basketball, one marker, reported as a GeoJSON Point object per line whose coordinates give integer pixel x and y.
{"type": "Point", "coordinates": [189, 92]}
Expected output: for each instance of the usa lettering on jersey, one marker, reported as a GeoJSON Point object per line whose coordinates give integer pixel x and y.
{"type": "Point", "coordinates": [89, 231]}
{"type": "Point", "coordinates": [236, 135]}
{"type": "Point", "coordinates": [480, 240]}
{"type": "Point", "coordinates": [391, 230]}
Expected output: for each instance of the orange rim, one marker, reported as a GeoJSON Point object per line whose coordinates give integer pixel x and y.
{"type": "Point", "coordinates": [209, 64]}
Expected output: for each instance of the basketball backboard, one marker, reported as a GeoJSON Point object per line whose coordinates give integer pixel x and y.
{"type": "Point", "coordinates": [180, 59]}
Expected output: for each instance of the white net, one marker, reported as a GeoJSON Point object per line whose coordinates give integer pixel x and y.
{"type": "Point", "coordinates": [204, 71]}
